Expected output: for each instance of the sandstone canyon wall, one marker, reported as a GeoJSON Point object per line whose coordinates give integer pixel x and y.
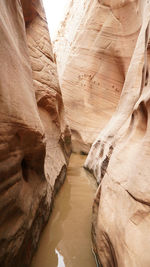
{"type": "Point", "coordinates": [119, 159]}
{"type": "Point", "coordinates": [94, 47]}
{"type": "Point", "coordinates": [34, 137]}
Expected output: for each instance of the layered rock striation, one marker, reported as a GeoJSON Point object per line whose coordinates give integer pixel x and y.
{"type": "Point", "coordinates": [34, 136]}
{"type": "Point", "coordinates": [119, 159]}
{"type": "Point", "coordinates": [93, 48]}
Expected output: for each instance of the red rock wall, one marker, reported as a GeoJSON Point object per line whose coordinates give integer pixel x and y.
{"type": "Point", "coordinates": [34, 137]}
{"type": "Point", "coordinates": [119, 159]}
{"type": "Point", "coordinates": [94, 47]}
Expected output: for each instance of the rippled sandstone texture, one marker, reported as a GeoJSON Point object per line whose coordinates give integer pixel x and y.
{"type": "Point", "coordinates": [119, 159]}
{"type": "Point", "coordinates": [34, 137]}
{"type": "Point", "coordinates": [94, 47]}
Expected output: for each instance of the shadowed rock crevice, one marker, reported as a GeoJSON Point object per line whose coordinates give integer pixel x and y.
{"type": "Point", "coordinates": [24, 167]}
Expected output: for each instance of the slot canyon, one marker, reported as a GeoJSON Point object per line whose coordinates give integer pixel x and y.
{"type": "Point", "coordinates": [74, 134]}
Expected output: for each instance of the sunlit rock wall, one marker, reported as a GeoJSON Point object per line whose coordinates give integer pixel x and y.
{"type": "Point", "coordinates": [119, 159]}
{"type": "Point", "coordinates": [34, 137]}
{"type": "Point", "coordinates": [93, 48]}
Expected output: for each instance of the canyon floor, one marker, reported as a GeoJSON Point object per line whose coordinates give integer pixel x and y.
{"type": "Point", "coordinates": [66, 240]}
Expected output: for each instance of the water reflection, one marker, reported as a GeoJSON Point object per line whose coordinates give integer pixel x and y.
{"type": "Point", "coordinates": [60, 259]}
{"type": "Point", "coordinates": [66, 240]}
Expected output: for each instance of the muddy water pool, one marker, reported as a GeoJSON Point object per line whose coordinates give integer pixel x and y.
{"type": "Point", "coordinates": [66, 240]}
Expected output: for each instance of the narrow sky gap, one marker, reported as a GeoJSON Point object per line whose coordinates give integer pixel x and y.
{"type": "Point", "coordinates": [55, 10]}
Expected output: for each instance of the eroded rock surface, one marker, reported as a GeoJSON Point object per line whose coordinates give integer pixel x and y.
{"type": "Point", "coordinates": [119, 159]}
{"type": "Point", "coordinates": [34, 137]}
{"type": "Point", "coordinates": [94, 47]}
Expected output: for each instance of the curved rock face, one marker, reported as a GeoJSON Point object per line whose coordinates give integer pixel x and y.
{"type": "Point", "coordinates": [94, 48]}
{"type": "Point", "coordinates": [34, 137]}
{"type": "Point", "coordinates": [119, 159]}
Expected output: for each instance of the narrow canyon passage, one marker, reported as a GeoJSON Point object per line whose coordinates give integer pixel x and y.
{"type": "Point", "coordinates": [66, 240]}
{"type": "Point", "coordinates": [74, 78]}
